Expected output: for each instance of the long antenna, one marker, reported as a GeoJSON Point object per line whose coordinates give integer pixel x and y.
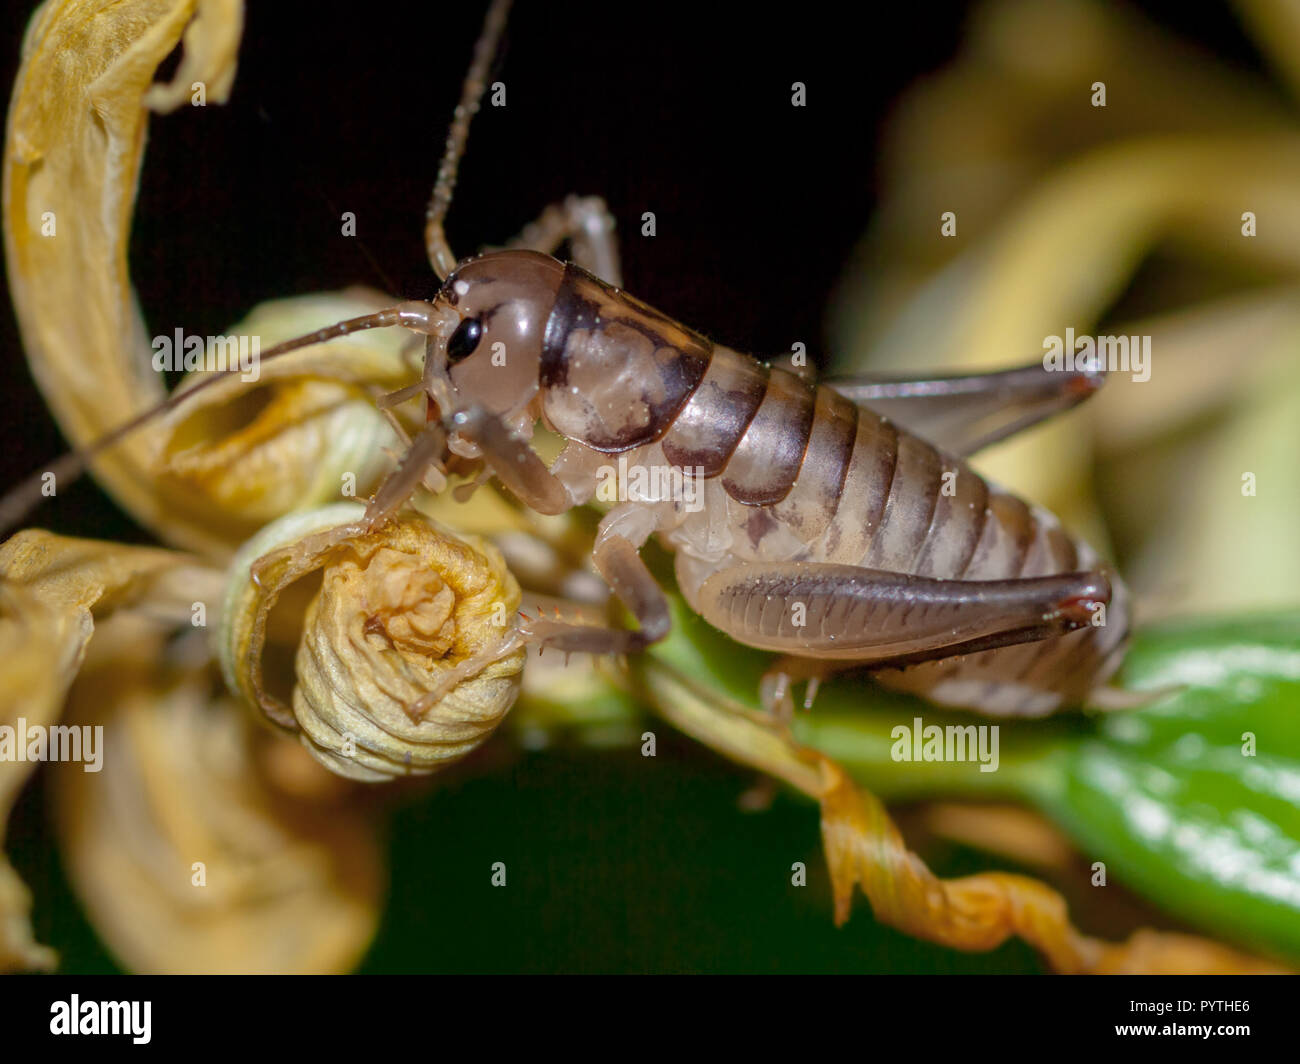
{"type": "Point", "coordinates": [20, 501]}
{"type": "Point", "coordinates": [471, 99]}
{"type": "Point", "coordinates": [17, 503]}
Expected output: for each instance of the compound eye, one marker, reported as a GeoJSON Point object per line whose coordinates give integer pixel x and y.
{"type": "Point", "coordinates": [464, 340]}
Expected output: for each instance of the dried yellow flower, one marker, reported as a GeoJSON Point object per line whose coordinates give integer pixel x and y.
{"type": "Point", "coordinates": [409, 656]}
{"type": "Point", "coordinates": [305, 428]}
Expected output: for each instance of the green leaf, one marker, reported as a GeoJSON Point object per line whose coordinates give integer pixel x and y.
{"type": "Point", "coordinates": [1172, 797]}
{"type": "Point", "coordinates": [1195, 800]}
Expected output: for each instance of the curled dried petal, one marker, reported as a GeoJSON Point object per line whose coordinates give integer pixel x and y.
{"type": "Point", "coordinates": [287, 434]}
{"type": "Point", "coordinates": [53, 589]}
{"type": "Point", "coordinates": [980, 912]}
{"type": "Point", "coordinates": [408, 657]}
{"type": "Point", "coordinates": [75, 140]}
{"type": "Point", "coordinates": [211, 43]}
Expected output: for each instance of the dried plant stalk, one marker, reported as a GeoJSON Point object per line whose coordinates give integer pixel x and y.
{"type": "Point", "coordinates": [980, 912]}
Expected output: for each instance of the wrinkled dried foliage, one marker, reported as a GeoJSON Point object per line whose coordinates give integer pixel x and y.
{"type": "Point", "coordinates": [75, 140]}
{"type": "Point", "coordinates": [195, 848]}
{"type": "Point", "coordinates": [406, 660]}
{"type": "Point", "coordinates": [53, 592]}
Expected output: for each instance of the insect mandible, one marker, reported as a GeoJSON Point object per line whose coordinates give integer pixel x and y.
{"type": "Point", "coordinates": [836, 524]}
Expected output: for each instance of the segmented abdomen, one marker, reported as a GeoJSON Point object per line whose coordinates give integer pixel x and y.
{"type": "Point", "coordinates": [822, 480]}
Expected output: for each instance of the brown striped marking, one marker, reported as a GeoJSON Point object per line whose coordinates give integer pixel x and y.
{"type": "Point", "coordinates": [763, 468]}
{"type": "Point", "coordinates": [710, 426]}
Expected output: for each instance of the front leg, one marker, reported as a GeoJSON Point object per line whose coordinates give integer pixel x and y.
{"type": "Point", "coordinates": [616, 554]}
{"type": "Point", "coordinates": [621, 534]}
{"type": "Point", "coordinates": [514, 462]}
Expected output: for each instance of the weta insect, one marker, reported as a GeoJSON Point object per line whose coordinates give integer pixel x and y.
{"type": "Point", "coordinates": [840, 522]}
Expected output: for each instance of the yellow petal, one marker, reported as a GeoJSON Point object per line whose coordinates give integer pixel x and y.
{"type": "Point", "coordinates": [301, 429]}
{"type": "Point", "coordinates": [52, 589]}
{"type": "Point", "coordinates": [186, 853]}
{"type": "Point", "coordinates": [75, 140]}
